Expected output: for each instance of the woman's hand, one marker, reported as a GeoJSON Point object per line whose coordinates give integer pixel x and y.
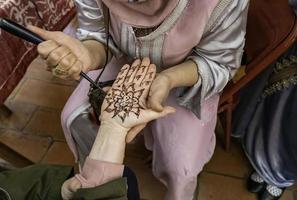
{"type": "Point", "coordinates": [182, 75]}
{"type": "Point", "coordinates": [66, 56]}
{"type": "Point", "coordinates": [159, 91]}
{"type": "Point", "coordinates": [126, 102]}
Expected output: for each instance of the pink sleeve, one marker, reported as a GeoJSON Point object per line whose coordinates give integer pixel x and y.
{"type": "Point", "coordinates": [95, 173]}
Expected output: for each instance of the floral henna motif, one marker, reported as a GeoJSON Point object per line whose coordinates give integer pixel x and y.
{"type": "Point", "coordinates": [122, 102]}
{"type": "Point", "coordinates": [127, 97]}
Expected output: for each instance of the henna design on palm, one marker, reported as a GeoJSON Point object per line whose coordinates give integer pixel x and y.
{"type": "Point", "coordinates": [123, 102]}
{"type": "Point", "coordinates": [128, 94]}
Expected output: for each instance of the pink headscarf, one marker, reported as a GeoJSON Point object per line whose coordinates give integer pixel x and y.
{"type": "Point", "coordinates": [141, 13]}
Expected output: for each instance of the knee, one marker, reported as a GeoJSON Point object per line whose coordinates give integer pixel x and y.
{"type": "Point", "coordinates": [180, 186]}
{"type": "Point", "coordinates": [69, 108]}
{"type": "Point", "coordinates": [184, 177]}
{"type": "Point", "coordinates": [65, 114]}
{"type": "Point", "coordinates": [178, 174]}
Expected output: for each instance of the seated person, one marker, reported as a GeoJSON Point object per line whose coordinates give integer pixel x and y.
{"type": "Point", "coordinates": [197, 47]}
{"type": "Point", "coordinates": [265, 120]}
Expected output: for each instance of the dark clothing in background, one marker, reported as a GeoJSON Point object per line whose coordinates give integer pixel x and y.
{"type": "Point", "coordinates": [266, 121]}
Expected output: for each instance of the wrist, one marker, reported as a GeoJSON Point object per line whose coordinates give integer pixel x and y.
{"type": "Point", "coordinates": [113, 128]}
{"type": "Point", "coordinates": [110, 143]}
{"type": "Point", "coordinates": [169, 79]}
{"type": "Point", "coordinates": [97, 53]}
{"type": "Point", "coordinates": [182, 75]}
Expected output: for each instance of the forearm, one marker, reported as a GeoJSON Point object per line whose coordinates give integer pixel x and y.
{"type": "Point", "coordinates": [98, 53]}
{"type": "Point", "coordinates": [110, 143]}
{"type": "Point", "coordinates": [105, 160]}
{"type": "Point", "coordinates": [182, 75]}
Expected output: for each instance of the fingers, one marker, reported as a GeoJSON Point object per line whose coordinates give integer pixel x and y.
{"type": "Point", "coordinates": [59, 59]}
{"type": "Point", "coordinates": [146, 83]}
{"type": "Point", "coordinates": [69, 187]}
{"type": "Point", "coordinates": [68, 66]}
{"type": "Point", "coordinates": [56, 56]}
{"type": "Point", "coordinates": [133, 132]}
{"type": "Point", "coordinates": [57, 36]}
{"type": "Point", "coordinates": [59, 50]}
{"type": "Point", "coordinates": [45, 48]}
{"type": "Point", "coordinates": [152, 115]}
{"type": "Point", "coordinates": [159, 91]}
{"type": "Point", "coordinates": [75, 70]}
{"type": "Point", "coordinates": [121, 76]}
{"type": "Point", "coordinates": [150, 74]}
{"type": "Point", "coordinates": [46, 35]}
{"type": "Point", "coordinates": [155, 102]}
{"type": "Point", "coordinates": [142, 70]}
{"type": "Point", "coordinates": [132, 71]}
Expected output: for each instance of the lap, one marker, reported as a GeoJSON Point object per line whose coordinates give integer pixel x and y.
{"type": "Point", "coordinates": [182, 138]}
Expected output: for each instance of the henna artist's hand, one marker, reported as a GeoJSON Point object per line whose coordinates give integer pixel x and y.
{"type": "Point", "coordinates": [159, 91]}
{"type": "Point", "coordinates": [125, 103]}
{"type": "Point", "coordinates": [182, 75]}
{"type": "Point", "coordinates": [66, 56]}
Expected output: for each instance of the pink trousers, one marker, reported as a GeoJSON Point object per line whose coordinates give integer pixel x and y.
{"type": "Point", "coordinates": [181, 143]}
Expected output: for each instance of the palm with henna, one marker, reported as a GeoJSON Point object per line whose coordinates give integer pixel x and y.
{"type": "Point", "coordinates": [125, 103]}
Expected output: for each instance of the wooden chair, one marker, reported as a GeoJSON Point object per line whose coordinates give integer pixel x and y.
{"type": "Point", "coordinates": [271, 30]}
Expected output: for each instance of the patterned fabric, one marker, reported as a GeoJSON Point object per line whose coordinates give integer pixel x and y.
{"type": "Point", "coordinates": [51, 12]}
{"type": "Point", "coordinates": [16, 54]}
{"type": "Point", "coordinates": [267, 126]}
{"type": "Point", "coordinates": [274, 191]}
{"type": "Point", "coordinates": [284, 76]}
{"type": "Point", "coordinates": [257, 178]}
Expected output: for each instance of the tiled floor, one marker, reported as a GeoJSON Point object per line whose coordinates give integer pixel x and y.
{"type": "Point", "coordinates": [34, 131]}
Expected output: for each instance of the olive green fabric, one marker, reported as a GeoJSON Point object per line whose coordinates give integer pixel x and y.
{"type": "Point", "coordinates": [114, 190]}
{"type": "Point", "coordinates": [37, 182]}
{"type": "Point", "coordinates": [44, 182]}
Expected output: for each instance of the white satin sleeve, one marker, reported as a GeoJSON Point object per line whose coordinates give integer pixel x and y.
{"type": "Point", "coordinates": [91, 24]}
{"type": "Point", "coordinates": [217, 56]}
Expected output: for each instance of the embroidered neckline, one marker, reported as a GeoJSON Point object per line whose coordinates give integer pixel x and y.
{"type": "Point", "coordinates": [166, 24]}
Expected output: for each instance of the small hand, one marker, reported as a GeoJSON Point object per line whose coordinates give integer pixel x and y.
{"type": "Point", "coordinates": [125, 103]}
{"type": "Point", "coordinates": [69, 187]}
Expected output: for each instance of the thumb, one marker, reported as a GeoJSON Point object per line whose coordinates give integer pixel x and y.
{"type": "Point", "coordinates": [155, 103]}
{"type": "Point", "coordinates": [46, 35]}
{"type": "Point", "coordinates": [152, 115]}
{"type": "Point", "coordinates": [133, 132]}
